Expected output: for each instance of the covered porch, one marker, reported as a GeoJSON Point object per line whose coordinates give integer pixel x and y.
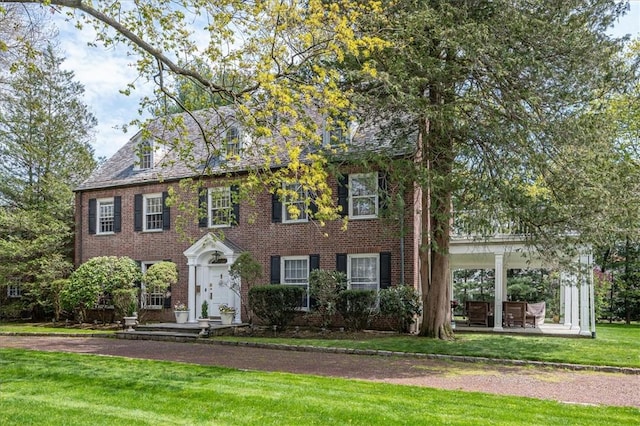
{"type": "Point", "coordinates": [500, 254]}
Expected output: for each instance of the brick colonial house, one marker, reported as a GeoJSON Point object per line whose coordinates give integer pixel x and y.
{"type": "Point", "coordinates": [122, 210]}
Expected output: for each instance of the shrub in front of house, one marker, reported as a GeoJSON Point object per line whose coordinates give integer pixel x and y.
{"type": "Point", "coordinates": [399, 306]}
{"type": "Point", "coordinates": [96, 280]}
{"type": "Point", "coordinates": [325, 288]}
{"type": "Point", "coordinates": [275, 304]}
{"type": "Point", "coordinates": [356, 308]}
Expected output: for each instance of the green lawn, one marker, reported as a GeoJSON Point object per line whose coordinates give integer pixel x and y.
{"type": "Point", "coordinates": [41, 328]}
{"type": "Point", "coordinates": [51, 388]}
{"type": "Point", "coordinates": [615, 345]}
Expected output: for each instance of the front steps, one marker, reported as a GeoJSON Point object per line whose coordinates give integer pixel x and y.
{"type": "Point", "coordinates": [178, 332]}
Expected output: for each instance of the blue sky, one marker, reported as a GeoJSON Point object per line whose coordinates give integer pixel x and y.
{"type": "Point", "coordinates": [104, 72]}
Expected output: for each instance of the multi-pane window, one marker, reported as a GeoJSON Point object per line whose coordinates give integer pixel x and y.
{"type": "Point", "coordinates": [150, 297]}
{"type": "Point", "coordinates": [105, 216]}
{"type": "Point", "coordinates": [146, 155]}
{"type": "Point", "coordinates": [153, 212]}
{"type": "Point", "coordinates": [14, 290]}
{"type": "Point", "coordinates": [363, 195]}
{"type": "Point", "coordinates": [294, 207]}
{"type": "Point", "coordinates": [232, 141]}
{"type": "Point", "coordinates": [220, 208]}
{"type": "Point", "coordinates": [295, 271]}
{"type": "Point", "coordinates": [363, 271]}
{"type": "Point", "coordinates": [338, 131]}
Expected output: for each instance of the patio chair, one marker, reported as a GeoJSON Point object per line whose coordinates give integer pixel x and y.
{"type": "Point", "coordinates": [478, 313]}
{"type": "Point", "coordinates": [514, 314]}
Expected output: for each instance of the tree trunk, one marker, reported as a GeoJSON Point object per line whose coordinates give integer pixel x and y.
{"type": "Point", "coordinates": [437, 148]}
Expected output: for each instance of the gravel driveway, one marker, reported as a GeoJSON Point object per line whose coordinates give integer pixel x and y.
{"type": "Point", "coordinates": [578, 387]}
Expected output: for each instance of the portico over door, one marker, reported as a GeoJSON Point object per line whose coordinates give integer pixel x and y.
{"type": "Point", "coordinates": [209, 261]}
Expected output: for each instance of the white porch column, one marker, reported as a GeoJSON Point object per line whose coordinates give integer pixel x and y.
{"type": "Point", "coordinates": [585, 283]}
{"type": "Point", "coordinates": [500, 283]}
{"type": "Point", "coordinates": [565, 288]}
{"type": "Point", "coordinates": [191, 293]}
{"type": "Point", "coordinates": [575, 301]}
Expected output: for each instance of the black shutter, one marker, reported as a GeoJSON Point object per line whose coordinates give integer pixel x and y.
{"type": "Point", "coordinates": [341, 262]}
{"type": "Point", "coordinates": [167, 298]}
{"type": "Point", "coordinates": [314, 263]}
{"type": "Point", "coordinates": [276, 209]}
{"type": "Point", "coordinates": [383, 195]}
{"type": "Point", "coordinates": [275, 269]}
{"type": "Point", "coordinates": [166, 212]}
{"type": "Point", "coordinates": [92, 215]}
{"type": "Point", "coordinates": [343, 194]}
{"type": "Point", "coordinates": [235, 202]}
{"type": "Point", "coordinates": [385, 270]}
{"type": "Point", "coordinates": [117, 214]}
{"type": "Point", "coordinates": [203, 221]}
{"type": "Point", "coordinates": [313, 208]}
{"type": "Point", "coordinates": [137, 212]}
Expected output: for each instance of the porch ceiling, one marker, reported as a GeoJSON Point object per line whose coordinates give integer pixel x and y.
{"type": "Point", "coordinates": [481, 255]}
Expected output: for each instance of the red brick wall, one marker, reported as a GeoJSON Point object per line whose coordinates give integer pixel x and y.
{"type": "Point", "coordinates": [255, 233]}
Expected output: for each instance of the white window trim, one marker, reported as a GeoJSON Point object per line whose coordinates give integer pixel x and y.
{"type": "Point", "coordinates": [239, 141]}
{"type": "Point", "coordinates": [99, 202]}
{"type": "Point", "coordinates": [220, 189]}
{"type": "Point", "coordinates": [376, 195]}
{"type": "Point", "coordinates": [348, 133]}
{"type": "Point", "coordinates": [144, 295]}
{"type": "Point", "coordinates": [282, 279]}
{"type": "Point", "coordinates": [304, 216]}
{"type": "Point", "coordinates": [14, 291]}
{"type": "Point", "coordinates": [146, 153]}
{"type": "Point", "coordinates": [145, 197]}
{"type": "Point", "coordinates": [350, 257]}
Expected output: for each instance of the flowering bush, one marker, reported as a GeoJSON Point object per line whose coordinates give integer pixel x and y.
{"type": "Point", "coordinates": [180, 307]}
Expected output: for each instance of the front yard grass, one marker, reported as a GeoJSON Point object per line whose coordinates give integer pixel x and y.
{"type": "Point", "coordinates": [48, 328]}
{"type": "Point", "coordinates": [615, 345]}
{"type": "Point", "coordinates": [47, 388]}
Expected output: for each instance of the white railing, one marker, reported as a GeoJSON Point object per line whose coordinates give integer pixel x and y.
{"type": "Point", "coordinates": [469, 224]}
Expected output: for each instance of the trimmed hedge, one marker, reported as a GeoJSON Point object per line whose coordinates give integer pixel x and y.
{"type": "Point", "coordinates": [356, 307]}
{"type": "Point", "coordinates": [275, 304]}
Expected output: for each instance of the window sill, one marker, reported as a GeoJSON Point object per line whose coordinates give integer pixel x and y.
{"type": "Point", "coordinates": [363, 217]}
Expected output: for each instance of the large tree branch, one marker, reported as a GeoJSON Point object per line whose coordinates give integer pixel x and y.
{"type": "Point", "coordinates": [139, 42]}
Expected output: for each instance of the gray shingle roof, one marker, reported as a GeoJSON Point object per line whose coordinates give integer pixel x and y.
{"type": "Point", "coordinates": [184, 151]}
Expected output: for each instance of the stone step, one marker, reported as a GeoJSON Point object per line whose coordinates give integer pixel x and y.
{"type": "Point", "coordinates": [177, 332]}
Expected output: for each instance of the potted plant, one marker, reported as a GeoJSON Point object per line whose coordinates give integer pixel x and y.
{"type": "Point", "coordinates": [203, 321]}
{"type": "Point", "coordinates": [181, 312]}
{"type": "Point", "coordinates": [131, 317]}
{"type": "Point", "coordinates": [227, 313]}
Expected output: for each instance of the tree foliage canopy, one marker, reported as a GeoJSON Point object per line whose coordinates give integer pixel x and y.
{"type": "Point", "coordinates": [45, 135]}
{"type": "Point", "coordinates": [502, 102]}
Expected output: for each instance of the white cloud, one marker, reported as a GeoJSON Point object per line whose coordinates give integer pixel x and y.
{"type": "Point", "coordinates": [104, 72]}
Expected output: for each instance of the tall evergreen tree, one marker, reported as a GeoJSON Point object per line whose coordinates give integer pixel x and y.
{"type": "Point", "coordinates": [45, 134]}
{"type": "Point", "coordinates": [499, 101]}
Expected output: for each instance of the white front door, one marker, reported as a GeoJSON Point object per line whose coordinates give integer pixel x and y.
{"type": "Point", "coordinates": [215, 288]}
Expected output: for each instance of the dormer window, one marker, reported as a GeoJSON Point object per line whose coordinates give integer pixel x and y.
{"type": "Point", "coordinates": [338, 132]}
{"type": "Point", "coordinates": [145, 155]}
{"type": "Point", "coordinates": [232, 142]}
